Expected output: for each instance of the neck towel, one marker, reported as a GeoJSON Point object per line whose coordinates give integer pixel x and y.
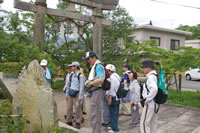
{"type": "Point", "coordinates": [92, 71]}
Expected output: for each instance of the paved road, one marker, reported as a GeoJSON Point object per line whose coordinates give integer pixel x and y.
{"type": "Point", "coordinates": [172, 118]}
{"type": "Point", "coordinates": [189, 84]}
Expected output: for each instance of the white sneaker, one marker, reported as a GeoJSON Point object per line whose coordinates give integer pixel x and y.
{"type": "Point", "coordinates": [110, 131]}
{"type": "Point", "coordinates": [109, 128]}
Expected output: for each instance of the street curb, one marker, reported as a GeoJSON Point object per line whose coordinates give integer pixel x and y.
{"type": "Point", "coordinates": [186, 89]}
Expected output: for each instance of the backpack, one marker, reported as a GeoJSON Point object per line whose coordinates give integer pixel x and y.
{"type": "Point", "coordinates": [160, 97]}
{"type": "Point", "coordinates": [70, 78]}
{"type": "Point", "coordinates": [141, 90]}
{"type": "Point", "coordinates": [121, 92]}
{"type": "Point", "coordinates": [106, 82]}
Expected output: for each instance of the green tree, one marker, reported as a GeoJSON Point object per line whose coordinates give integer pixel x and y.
{"type": "Point", "coordinates": [194, 29]}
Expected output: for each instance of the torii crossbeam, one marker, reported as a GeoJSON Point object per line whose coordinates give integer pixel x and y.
{"type": "Point", "coordinates": [40, 9]}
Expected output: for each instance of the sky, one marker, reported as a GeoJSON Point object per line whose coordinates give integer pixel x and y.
{"type": "Point", "coordinates": [161, 14]}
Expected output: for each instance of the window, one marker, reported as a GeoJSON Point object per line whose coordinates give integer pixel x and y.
{"type": "Point", "coordinates": [157, 39]}
{"type": "Point", "coordinates": [174, 44]}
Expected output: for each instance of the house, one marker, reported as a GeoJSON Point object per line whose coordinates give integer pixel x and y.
{"type": "Point", "coordinates": [192, 43]}
{"type": "Point", "coordinates": [168, 39]}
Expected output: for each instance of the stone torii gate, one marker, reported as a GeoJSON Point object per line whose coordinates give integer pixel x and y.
{"type": "Point", "coordinates": [40, 9]}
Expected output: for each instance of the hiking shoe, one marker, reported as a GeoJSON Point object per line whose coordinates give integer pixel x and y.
{"type": "Point", "coordinates": [78, 125]}
{"type": "Point", "coordinates": [82, 120]}
{"type": "Point", "coordinates": [69, 123]}
{"type": "Point", "coordinates": [84, 113]}
{"type": "Point", "coordinates": [106, 124]}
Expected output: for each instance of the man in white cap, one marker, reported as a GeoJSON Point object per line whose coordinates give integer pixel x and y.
{"type": "Point", "coordinates": [113, 100]}
{"type": "Point", "coordinates": [74, 95]}
{"type": "Point", "coordinates": [94, 83]}
{"type": "Point", "coordinates": [47, 71]}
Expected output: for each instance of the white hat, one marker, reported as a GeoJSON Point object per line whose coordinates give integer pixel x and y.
{"type": "Point", "coordinates": [75, 64]}
{"type": "Point", "coordinates": [110, 67]}
{"type": "Point", "coordinates": [81, 69]}
{"type": "Point", "coordinates": [43, 62]}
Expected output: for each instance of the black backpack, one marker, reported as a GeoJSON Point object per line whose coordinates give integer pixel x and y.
{"type": "Point", "coordinates": [141, 90]}
{"type": "Point", "coordinates": [160, 97]}
{"type": "Point", "coordinates": [121, 93]}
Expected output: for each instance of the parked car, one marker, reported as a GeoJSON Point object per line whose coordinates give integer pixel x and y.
{"type": "Point", "coordinates": [192, 73]}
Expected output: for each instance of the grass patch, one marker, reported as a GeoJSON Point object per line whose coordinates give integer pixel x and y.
{"type": "Point", "coordinates": [58, 85]}
{"type": "Point", "coordinates": [187, 98]}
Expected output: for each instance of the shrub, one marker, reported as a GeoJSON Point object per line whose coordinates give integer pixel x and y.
{"type": "Point", "coordinates": [58, 85]}
{"type": "Point", "coordinates": [12, 68]}
{"type": "Point", "coordinates": [9, 123]}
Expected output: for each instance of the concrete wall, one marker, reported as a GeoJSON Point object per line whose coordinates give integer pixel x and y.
{"type": "Point", "coordinates": [165, 37]}
{"type": "Point", "coordinates": [192, 43]}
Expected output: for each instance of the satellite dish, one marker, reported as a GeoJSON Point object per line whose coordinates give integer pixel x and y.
{"type": "Point", "coordinates": [106, 2]}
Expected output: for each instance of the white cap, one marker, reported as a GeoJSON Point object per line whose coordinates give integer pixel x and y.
{"type": "Point", "coordinates": [43, 62]}
{"type": "Point", "coordinates": [110, 67]}
{"type": "Point", "coordinates": [75, 64]}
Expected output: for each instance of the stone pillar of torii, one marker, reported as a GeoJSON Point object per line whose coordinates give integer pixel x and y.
{"type": "Point", "coordinates": [40, 9]}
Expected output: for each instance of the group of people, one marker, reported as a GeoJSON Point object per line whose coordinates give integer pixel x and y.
{"type": "Point", "coordinates": [148, 119]}
{"type": "Point", "coordinates": [76, 84]}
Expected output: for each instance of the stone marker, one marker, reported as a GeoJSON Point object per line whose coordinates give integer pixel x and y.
{"type": "Point", "coordinates": [1, 75]}
{"type": "Point", "coordinates": [35, 96]}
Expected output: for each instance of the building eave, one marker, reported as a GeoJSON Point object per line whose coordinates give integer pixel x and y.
{"type": "Point", "coordinates": [150, 27]}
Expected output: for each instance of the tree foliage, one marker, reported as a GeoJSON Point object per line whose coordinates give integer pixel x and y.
{"type": "Point", "coordinates": [16, 31]}
{"type": "Point", "coordinates": [194, 29]}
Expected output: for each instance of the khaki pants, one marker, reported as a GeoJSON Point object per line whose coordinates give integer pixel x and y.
{"type": "Point", "coordinates": [124, 109]}
{"type": "Point", "coordinates": [96, 110]}
{"type": "Point", "coordinates": [72, 101]}
{"type": "Point", "coordinates": [148, 121]}
{"type": "Point", "coordinates": [83, 105]}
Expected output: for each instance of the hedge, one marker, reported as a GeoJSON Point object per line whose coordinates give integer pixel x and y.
{"type": "Point", "coordinates": [12, 68]}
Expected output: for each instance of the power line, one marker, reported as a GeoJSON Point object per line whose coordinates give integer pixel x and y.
{"type": "Point", "coordinates": [175, 4]}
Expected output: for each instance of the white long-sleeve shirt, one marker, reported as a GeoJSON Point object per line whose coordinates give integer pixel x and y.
{"type": "Point", "coordinates": [114, 85]}
{"type": "Point", "coordinates": [134, 92]}
{"type": "Point", "coordinates": [151, 84]}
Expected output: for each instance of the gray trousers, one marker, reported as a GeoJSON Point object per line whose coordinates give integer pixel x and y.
{"type": "Point", "coordinates": [135, 115]}
{"type": "Point", "coordinates": [96, 110]}
{"type": "Point", "coordinates": [106, 110]}
{"type": "Point", "coordinates": [70, 103]}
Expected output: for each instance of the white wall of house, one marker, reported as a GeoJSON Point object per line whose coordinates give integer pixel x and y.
{"type": "Point", "coordinates": [192, 43]}
{"type": "Point", "coordinates": [143, 33]}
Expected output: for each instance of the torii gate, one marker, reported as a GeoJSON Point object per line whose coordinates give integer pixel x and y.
{"type": "Point", "coordinates": [40, 9]}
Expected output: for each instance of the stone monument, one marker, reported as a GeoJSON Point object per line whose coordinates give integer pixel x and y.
{"type": "Point", "coordinates": [36, 98]}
